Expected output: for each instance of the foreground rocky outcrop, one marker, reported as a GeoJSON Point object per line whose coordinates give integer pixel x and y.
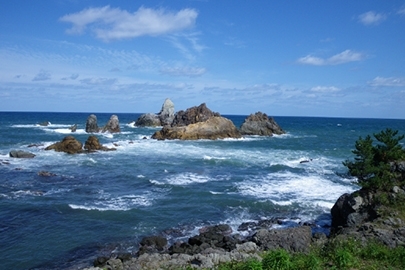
{"type": "Point", "coordinates": [164, 117]}
{"type": "Point", "coordinates": [260, 124]}
{"type": "Point", "coordinates": [362, 216]}
{"type": "Point", "coordinates": [71, 145]}
{"type": "Point", "coordinates": [212, 246]}
{"type": "Point", "coordinates": [212, 129]}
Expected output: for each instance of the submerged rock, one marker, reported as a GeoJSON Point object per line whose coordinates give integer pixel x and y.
{"type": "Point", "coordinates": [260, 124]}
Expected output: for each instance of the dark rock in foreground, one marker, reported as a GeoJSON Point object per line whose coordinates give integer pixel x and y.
{"type": "Point", "coordinates": [360, 216]}
{"type": "Point", "coordinates": [21, 154]}
{"type": "Point", "coordinates": [260, 124]}
{"type": "Point", "coordinates": [214, 128]}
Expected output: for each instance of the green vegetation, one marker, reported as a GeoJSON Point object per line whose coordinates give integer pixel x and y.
{"type": "Point", "coordinates": [347, 254]}
{"type": "Point", "coordinates": [373, 162]}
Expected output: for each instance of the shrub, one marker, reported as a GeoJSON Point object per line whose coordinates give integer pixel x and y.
{"type": "Point", "coordinates": [278, 259]}
{"type": "Point", "coordinates": [372, 164]}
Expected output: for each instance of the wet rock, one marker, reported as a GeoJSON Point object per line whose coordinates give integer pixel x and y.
{"type": "Point", "coordinates": [92, 144]}
{"type": "Point", "coordinates": [260, 124]}
{"type": "Point", "coordinates": [46, 174]}
{"type": "Point", "coordinates": [152, 244]}
{"type": "Point", "coordinates": [73, 128]}
{"type": "Point", "coordinates": [91, 124]}
{"type": "Point", "coordinates": [21, 154]}
{"type": "Point", "coordinates": [69, 145]}
{"type": "Point", "coordinates": [113, 125]}
{"type": "Point", "coordinates": [45, 123]}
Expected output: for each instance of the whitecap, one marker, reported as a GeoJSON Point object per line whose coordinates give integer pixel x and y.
{"type": "Point", "coordinates": [187, 179]}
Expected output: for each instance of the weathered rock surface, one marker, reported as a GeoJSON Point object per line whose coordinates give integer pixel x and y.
{"type": "Point", "coordinates": [21, 154]}
{"type": "Point", "coordinates": [69, 145]}
{"type": "Point", "coordinates": [296, 239]}
{"type": "Point", "coordinates": [193, 115]}
{"type": "Point", "coordinates": [91, 124]}
{"type": "Point", "coordinates": [358, 216]}
{"type": "Point", "coordinates": [93, 144]}
{"type": "Point", "coordinates": [166, 114]}
{"type": "Point", "coordinates": [260, 124]}
{"type": "Point", "coordinates": [214, 128]}
{"type": "Point", "coordinates": [148, 120]}
{"type": "Point", "coordinates": [113, 125]}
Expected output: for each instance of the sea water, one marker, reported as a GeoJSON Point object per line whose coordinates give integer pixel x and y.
{"type": "Point", "coordinates": [100, 202]}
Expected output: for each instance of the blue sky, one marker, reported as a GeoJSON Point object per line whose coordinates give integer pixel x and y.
{"type": "Point", "coordinates": [284, 58]}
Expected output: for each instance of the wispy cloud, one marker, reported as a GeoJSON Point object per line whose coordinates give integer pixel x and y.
{"type": "Point", "coordinates": [99, 81]}
{"type": "Point", "coordinates": [390, 81]}
{"type": "Point", "coordinates": [325, 89]}
{"type": "Point", "coordinates": [187, 44]}
{"type": "Point", "coordinates": [183, 71]}
{"type": "Point", "coordinates": [371, 18]}
{"type": "Point", "coordinates": [43, 75]}
{"type": "Point", "coordinates": [114, 23]}
{"type": "Point", "coordinates": [401, 11]}
{"type": "Point", "coordinates": [337, 59]}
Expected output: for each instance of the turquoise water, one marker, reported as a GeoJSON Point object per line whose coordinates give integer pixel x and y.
{"type": "Point", "coordinates": [109, 200]}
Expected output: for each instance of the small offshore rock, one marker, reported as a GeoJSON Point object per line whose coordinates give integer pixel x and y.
{"type": "Point", "coordinates": [46, 174]}
{"type": "Point", "coordinates": [113, 125]}
{"type": "Point", "coordinates": [21, 154]}
{"type": "Point", "coordinates": [260, 124]}
{"type": "Point", "coordinates": [91, 124]}
{"type": "Point", "coordinates": [73, 128]}
{"type": "Point", "coordinates": [69, 145]}
{"type": "Point", "coordinates": [45, 123]}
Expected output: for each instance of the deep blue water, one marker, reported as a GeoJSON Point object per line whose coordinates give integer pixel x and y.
{"type": "Point", "coordinates": [110, 200]}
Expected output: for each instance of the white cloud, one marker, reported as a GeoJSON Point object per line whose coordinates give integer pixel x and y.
{"type": "Point", "coordinates": [390, 81]}
{"type": "Point", "coordinates": [325, 89]}
{"type": "Point", "coordinates": [43, 75]}
{"type": "Point", "coordinates": [183, 71]}
{"type": "Point", "coordinates": [99, 81]}
{"type": "Point", "coordinates": [371, 18]}
{"type": "Point", "coordinates": [340, 58]}
{"type": "Point", "coordinates": [113, 23]}
{"type": "Point", "coordinates": [401, 11]}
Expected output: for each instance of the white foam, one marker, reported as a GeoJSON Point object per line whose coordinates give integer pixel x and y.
{"type": "Point", "coordinates": [121, 203]}
{"type": "Point", "coordinates": [187, 179]}
{"type": "Point", "coordinates": [286, 188]}
{"type": "Point", "coordinates": [66, 131]}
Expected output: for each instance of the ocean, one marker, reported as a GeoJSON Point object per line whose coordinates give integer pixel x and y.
{"type": "Point", "coordinates": [101, 202]}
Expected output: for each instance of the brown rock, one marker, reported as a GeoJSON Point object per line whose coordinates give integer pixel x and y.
{"type": "Point", "coordinates": [260, 124]}
{"type": "Point", "coordinates": [193, 115]}
{"type": "Point", "coordinates": [214, 128]}
{"type": "Point", "coordinates": [69, 145]}
{"type": "Point", "coordinates": [93, 144]}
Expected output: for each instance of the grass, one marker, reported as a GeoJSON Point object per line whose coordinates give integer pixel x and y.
{"type": "Point", "coordinates": [348, 254]}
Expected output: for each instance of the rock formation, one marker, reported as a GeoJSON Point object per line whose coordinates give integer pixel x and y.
{"type": "Point", "coordinates": [164, 117]}
{"type": "Point", "coordinates": [166, 114]}
{"type": "Point", "coordinates": [193, 115]}
{"type": "Point", "coordinates": [69, 145]}
{"type": "Point", "coordinates": [360, 215]}
{"type": "Point", "coordinates": [92, 144]}
{"type": "Point", "coordinates": [260, 124]}
{"type": "Point", "coordinates": [113, 125]}
{"type": "Point", "coordinates": [91, 124]}
{"type": "Point", "coordinates": [214, 128]}
{"type": "Point", "coordinates": [148, 120]}
{"type": "Point", "coordinates": [20, 154]}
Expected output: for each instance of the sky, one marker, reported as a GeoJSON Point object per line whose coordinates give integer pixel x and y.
{"type": "Point", "coordinates": [336, 58]}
